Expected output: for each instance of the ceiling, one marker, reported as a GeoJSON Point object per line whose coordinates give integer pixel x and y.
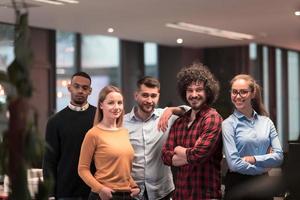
{"type": "Point", "coordinates": [271, 22]}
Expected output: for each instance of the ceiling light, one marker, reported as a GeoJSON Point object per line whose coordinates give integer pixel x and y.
{"type": "Point", "coordinates": [179, 41]}
{"type": "Point", "coordinates": [110, 30]}
{"type": "Point", "coordinates": [50, 2]}
{"type": "Point", "coordinates": [297, 13]}
{"type": "Point", "coordinates": [210, 31]}
{"type": "Point", "coordinates": [69, 1]}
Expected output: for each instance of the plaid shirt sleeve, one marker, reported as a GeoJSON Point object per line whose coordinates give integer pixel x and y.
{"type": "Point", "coordinates": [168, 148]}
{"type": "Point", "coordinates": [206, 143]}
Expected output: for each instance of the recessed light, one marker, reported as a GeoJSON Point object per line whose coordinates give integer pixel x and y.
{"type": "Point", "coordinates": [179, 41]}
{"type": "Point", "coordinates": [110, 30]}
{"type": "Point", "coordinates": [297, 13]}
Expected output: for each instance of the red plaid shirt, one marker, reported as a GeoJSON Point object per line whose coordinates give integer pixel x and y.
{"type": "Point", "coordinates": [201, 177]}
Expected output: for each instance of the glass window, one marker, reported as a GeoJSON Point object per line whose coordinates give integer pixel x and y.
{"type": "Point", "coordinates": [6, 57]}
{"type": "Point", "coordinates": [266, 77]}
{"type": "Point", "coordinates": [6, 45]}
{"type": "Point", "coordinates": [150, 59]}
{"type": "Point", "coordinates": [293, 96]}
{"type": "Point", "coordinates": [65, 66]}
{"type": "Point", "coordinates": [253, 51]}
{"type": "Point", "coordinates": [100, 59]}
{"type": "Point", "coordinates": [100, 51]}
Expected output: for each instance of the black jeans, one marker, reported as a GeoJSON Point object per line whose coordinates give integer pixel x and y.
{"type": "Point", "coordinates": [234, 189]}
{"type": "Point", "coordinates": [167, 197]}
{"type": "Point", "coordinates": [116, 196]}
{"type": "Point", "coordinates": [73, 198]}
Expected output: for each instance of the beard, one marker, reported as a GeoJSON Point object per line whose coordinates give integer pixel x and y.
{"type": "Point", "coordinates": [196, 102]}
{"type": "Point", "coordinates": [146, 108]}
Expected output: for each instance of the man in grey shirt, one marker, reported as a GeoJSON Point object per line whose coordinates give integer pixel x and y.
{"type": "Point", "coordinates": [148, 129]}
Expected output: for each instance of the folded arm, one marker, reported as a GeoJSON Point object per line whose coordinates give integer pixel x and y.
{"type": "Point", "coordinates": [235, 162]}
{"type": "Point", "coordinates": [206, 144]}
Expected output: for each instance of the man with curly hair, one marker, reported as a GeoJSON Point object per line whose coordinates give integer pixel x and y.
{"type": "Point", "coordinates": [194, 144]}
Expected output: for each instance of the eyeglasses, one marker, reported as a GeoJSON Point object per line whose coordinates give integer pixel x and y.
{"type": "Point", "coordinates": [242, 92]}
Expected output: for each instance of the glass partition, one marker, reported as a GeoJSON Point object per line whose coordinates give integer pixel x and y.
{"type": "Point", "coordinates": [65, 66]}
{"type": "Point", "coordinates": [101, 59]}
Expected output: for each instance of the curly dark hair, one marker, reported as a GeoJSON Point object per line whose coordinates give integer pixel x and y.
{"type": "Point", "coordinates": [195, 73]}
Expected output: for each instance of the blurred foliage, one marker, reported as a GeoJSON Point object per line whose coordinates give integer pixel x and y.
{"type": "Point", "coordinates": [4, 154]}
{"type": "Point", "coordinates": [18, 88]}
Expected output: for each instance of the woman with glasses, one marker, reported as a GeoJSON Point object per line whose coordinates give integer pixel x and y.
{"type": "Point", "coordinates": [251, 143]}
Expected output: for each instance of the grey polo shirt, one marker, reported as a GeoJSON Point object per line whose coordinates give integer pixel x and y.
{"type": "Point", "coordinates": [148, 169]}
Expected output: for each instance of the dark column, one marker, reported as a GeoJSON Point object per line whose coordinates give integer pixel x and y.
{"type": "Point", "coordinates": [78, 52]}
{"type": "Point", "coordinates": [285, 104]}
{"type": "Point", "coordinates": [225, 63]}
{"type": "Point", "coordinates": [132, 69]}
{"type": "Point", "coordinates": [43, 74]}
{"type": "Point", "coordinates": [52, 72]}
{"type": "Point", "coordinates": [272, 83]}
{"type": "Point", "coordinates": [171, 60]}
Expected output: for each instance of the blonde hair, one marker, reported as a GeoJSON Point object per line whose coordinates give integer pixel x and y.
{"type": "Point", "coordinates": [102, 95]}
{"type": "Point", "coordinates": [257, 103]}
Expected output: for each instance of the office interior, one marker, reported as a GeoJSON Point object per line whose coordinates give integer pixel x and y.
{"type": "Point", "coordinates": [119, 42]}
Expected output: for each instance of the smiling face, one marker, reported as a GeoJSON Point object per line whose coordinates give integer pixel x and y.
{"type": "Point", "coordinates": [196, 95]}
{"type": "Point", "coordinates": [147, 98]}
{"type": "Point", "coordinates": [241, 95]}
{"type": "Point", "coordinates": [112, 106]}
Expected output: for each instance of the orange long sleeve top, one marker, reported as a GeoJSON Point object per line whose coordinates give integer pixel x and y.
{"type": "Point", "coordinates": [113, 156]}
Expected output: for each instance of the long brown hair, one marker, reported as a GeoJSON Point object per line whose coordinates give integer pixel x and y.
{"type": "Point", "coordinates": [257, 103]}
{"type": "Point", "coordinates": [102, 95]}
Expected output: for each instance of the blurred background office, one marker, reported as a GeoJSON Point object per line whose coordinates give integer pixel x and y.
{"type": "Point", "coordinates": [117, 42]}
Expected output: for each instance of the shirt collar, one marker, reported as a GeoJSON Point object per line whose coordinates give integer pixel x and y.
{"type": "Point", "coordinates": [200, 113]}
{"type": "Point", "coordinates": [240, 115]}
{"type": "Point", "coordinates": [132, 115]}
{"type": "Point", "coordinates": [78, 108]}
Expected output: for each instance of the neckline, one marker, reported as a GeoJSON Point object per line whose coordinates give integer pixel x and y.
{"type": "Point", "coordinates": [107, 129]}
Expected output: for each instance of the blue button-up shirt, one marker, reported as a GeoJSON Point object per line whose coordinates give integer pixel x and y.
{"type": "Point", "coordinates": [148, 169]}
{"type": "Point", "coordinates": [250, 137]}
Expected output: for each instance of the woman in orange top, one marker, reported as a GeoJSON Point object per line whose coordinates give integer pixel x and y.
{"type": "Point", "coordinates": [108, 145]}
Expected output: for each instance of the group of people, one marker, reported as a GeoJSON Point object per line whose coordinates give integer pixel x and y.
{"type": "Point", "coordinates": [98, 153]}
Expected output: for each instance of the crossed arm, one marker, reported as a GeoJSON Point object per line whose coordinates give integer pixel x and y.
{"type": "Point", "coordinates": [210, 135]}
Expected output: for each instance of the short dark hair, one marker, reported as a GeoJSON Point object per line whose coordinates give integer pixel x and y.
{"type": "Point", "coordinates": [195, 73]}
{"type": "Point", "coordinates": [149, 81]}
{"type": "Point", "coordinates": [83, 74]}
